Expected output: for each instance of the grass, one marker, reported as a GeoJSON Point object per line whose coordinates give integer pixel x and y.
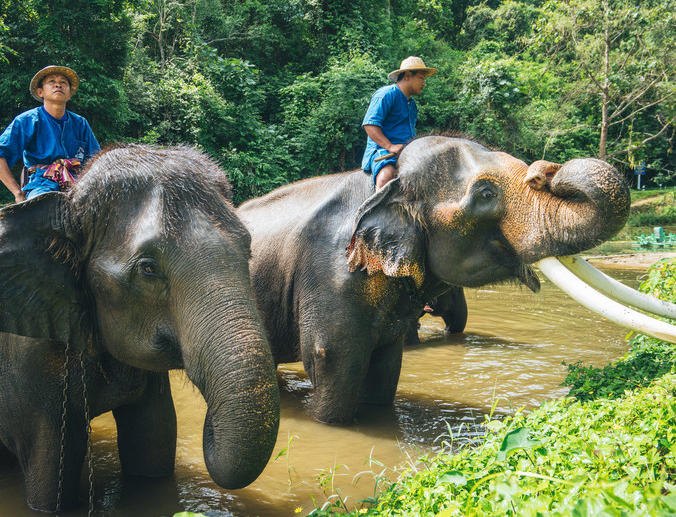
{"type": "Point", "coordinates": [604, 457]}
{"type": "Point", "coordinates": [639, 195]}
{"type": "Point", "coordinates": [650, 208]}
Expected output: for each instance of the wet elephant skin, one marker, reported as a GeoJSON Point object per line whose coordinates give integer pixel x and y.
{"type": "Point", "coordinates": [142, 267]}
{"type": "Point", "coordinates": [340, 272]}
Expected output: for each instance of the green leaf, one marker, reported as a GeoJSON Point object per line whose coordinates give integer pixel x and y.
{"type": "Point", "coordinates": [514, 441]}
{"type": "Point", "coordinates": [453, 477]}
{"type": "Point", "coordinates": [494, 425]}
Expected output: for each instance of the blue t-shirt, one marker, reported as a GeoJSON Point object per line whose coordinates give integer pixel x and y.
{"type": "Point", "coordinates": [40, 139]}
{"type": "Point", "coordinates": [395, 114]}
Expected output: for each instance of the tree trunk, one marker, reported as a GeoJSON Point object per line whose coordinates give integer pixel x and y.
{"type": "Point", "coordinates": [605, 91]}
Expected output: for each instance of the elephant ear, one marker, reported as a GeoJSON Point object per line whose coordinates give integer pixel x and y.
{"type": "Point", "coordinates": [42, 295]}
{"type": "Point", "coordinates": [387, 237]}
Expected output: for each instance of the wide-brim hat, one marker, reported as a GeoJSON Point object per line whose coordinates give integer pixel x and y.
{"type": "Point", "coordinates": [413, 64]}
{"type": "Point", "coordinates": [69, 74]}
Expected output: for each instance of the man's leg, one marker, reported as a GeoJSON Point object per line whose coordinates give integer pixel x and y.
{"type": "Point", "coordinates": [386, 174]}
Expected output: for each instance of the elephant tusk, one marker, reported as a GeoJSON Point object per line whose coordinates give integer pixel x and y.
{"type": "Point", "coordinates": [617, 290]}
{"type": "Point", "coordinates": [569, 283]}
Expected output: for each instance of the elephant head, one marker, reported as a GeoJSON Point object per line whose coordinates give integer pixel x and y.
{"type": "Point", "coordinates": [145, 260]}
{"type": "Point", "coordinates": [465, 215]}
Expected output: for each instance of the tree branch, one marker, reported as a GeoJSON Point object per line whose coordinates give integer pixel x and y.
{"type": "Point", "coordinates": [645, 141]}
{"type": "Point", "coordinates": [642, 108]}
{"type": "Point", "coordinates": [626, 103]}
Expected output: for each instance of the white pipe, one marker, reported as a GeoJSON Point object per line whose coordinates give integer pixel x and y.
{"type": "Point", "coordinates": [617, 290]}
{"type": "Point", "coordinates": [601, 304]}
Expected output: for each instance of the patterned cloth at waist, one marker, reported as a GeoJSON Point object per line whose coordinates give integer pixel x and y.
{"type": "Point", "coordinates": [62, 171]}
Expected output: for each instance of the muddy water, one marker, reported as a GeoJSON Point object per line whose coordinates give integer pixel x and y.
{"type": "Point", "coordinates": [509, 357]}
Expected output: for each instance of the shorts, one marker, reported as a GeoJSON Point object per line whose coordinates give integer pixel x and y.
{"type": "Point", "coordinates": [38, 185]}
{"type": "Point", "coordinates": [41, 189]}
{"type": "Point", "coordinates": [375, 167]}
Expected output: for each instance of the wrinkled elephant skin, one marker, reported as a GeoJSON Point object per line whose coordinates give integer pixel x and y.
{"type": "Point", "coordinates": [341, 272]}
{"type": "Point", "coordinates": [141, 268]}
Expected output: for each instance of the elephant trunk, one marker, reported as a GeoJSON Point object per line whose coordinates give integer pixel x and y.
{"type": "Point", "coordinates": [587, 202]}
{"type": "Point", "coordinates": [230, 362]}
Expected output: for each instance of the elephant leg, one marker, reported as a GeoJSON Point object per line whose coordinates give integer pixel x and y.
{"type": "Point", "coordinates": [146, 431]}
{"type": "Point", "coordinates": [380, 384]}
{"type": "Point", "coordinates": [411, 337]}
{"type": "Point", "coordinates": [40, 460]}
{"type": "Point", "coordinates": [336, 374]}
{"type": "Point", "coordinates": [456, 318]}
{"type": "Point", "coordinates": [452, 307]}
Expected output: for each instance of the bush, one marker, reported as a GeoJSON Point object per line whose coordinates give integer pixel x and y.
{"type": "Point", "coordinates": [323, 115]}
{"type": "Point", "coordinates": [606, 457]}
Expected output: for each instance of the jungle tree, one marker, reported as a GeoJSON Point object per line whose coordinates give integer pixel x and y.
{"type": "Point", "coordinates": [620, 52]}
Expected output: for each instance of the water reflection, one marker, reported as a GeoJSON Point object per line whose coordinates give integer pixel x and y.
{"type": "Point", "coordinates": [510, 356]}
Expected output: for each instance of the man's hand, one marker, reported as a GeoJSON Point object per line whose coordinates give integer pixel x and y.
{"type": "Point", "coordinates": [376, 134]}
{"type": "Point", "coordinates": [395, 148]}
{"type": "Point", "coordinates": [9, 181]}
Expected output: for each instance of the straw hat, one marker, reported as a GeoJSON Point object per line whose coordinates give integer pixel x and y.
{"type": "Point", "coordinates": [414, 64]}
{"type": "Point", "coordinates": [53, 69]}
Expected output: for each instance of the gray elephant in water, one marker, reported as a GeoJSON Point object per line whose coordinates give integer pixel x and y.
{"type": "Point", "coordinates": [143, 267]}
{"type": "Point", "coordinates": [340, 272]}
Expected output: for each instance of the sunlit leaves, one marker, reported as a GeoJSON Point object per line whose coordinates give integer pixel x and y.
{"type": "Point", "coordinates": [600, 459]}
{"type": "Point", "coordinates": [514, 441]}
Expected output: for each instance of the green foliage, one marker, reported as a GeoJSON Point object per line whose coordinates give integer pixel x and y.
{"type": "Point", "coordinates": [625, 68]}
{"type": "Point", "coordinates": [92, 37]}
{"type": "Point", "coordinates": [648, 358]}
{"type": "Point", "coordinates": [665, 217]}
{"type": "Point", "coordinates": [605, 457]}
{"type": "Point", "coordinates": [323, 115]}
{"type": "Point", "coordinates": [276, 89]}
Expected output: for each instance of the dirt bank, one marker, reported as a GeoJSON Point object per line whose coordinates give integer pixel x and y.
{"type": "Point", "coordinates": [639, 261]}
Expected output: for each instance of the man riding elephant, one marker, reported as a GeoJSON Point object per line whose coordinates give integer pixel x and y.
{"type": "Point", "coordinates": [391, 118]}
{"type": "Point", "coordinates": [340, 273]}
{"type": "Point", "coordinates": [52, 142]}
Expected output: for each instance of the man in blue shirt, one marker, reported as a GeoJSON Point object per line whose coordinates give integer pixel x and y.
{"type": "Point", "coordinates": [52, 141]}
{"type": "Point", "coordinates": [391, 117]}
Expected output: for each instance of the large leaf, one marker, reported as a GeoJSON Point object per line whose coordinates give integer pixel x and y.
{"type": "Point", "coordinates": [514, 441]}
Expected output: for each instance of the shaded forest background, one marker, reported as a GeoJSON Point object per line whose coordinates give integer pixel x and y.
{"type": "Point", "coordinates": [275, 90]}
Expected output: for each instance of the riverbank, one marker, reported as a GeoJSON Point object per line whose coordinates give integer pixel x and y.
{"type": "Point", "coordinates": [639, 261]}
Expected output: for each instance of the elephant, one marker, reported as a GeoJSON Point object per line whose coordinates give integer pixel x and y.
{"type": "Point", "coordinates": [451, 306]}
{"type": "Point", "coordinates": [141, 268]}
{"type": "Point", "coordinates": [340, 272]}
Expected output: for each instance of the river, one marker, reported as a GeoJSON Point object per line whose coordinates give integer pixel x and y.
{"type": "Point", "coordinates": [510, 356]}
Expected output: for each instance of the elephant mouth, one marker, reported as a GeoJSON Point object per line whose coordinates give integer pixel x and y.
{"type": "Point", "coordinates": [529, 278]}
{"type": "Point", "coordinates": [167, 349]}
{"type": "Point", "coordinates": [508, 260]}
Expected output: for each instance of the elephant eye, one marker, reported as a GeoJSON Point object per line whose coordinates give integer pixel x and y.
{"type": "Point", "coordinates": [148, 267]}
{"type": "Point", "coordinates": [486, 193]}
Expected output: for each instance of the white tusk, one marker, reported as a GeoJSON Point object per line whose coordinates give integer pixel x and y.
{"type": "Point", "coordinates": [601, 304]}
{"type": "Point", "coordinates": [617, 290]}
